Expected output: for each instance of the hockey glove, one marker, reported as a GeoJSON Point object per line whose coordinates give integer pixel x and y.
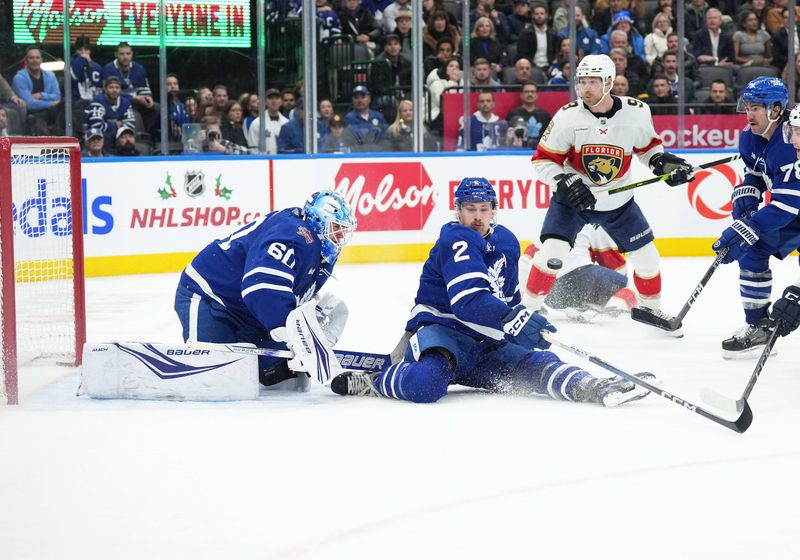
{"type": "Point", "coordinates": [524, 327]}
{"type": "Point", "coordinates": [572, 191]}
{"type": "Point", "coordinates": [787, 309]}
{"type": "Point", "coordinates": [332, 316]}
{"type": "Point", "coordinates": [680, 170]}
{"type": "Point", "coordinates": [745, 201]}
{"type": "Point", "coordinates": [737, 238]}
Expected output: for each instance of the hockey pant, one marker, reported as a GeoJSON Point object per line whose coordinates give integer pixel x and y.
{"type": "Point", "coordinates": [438, 356]}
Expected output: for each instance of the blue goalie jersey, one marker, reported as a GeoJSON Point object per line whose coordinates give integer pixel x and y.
{"type": "Point", "coordinates": [468, 282]}
{"type": "Point", "coordinates": [262, 271]}
{"type": "Point", "coordinates": [773, 165]}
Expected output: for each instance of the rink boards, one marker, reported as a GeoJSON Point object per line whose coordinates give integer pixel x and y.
{"type": "Point", "coordinates": [153, 214]}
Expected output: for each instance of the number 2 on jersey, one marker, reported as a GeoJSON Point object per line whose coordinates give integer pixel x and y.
{"type": "Point", "coordinates": [459, 247]}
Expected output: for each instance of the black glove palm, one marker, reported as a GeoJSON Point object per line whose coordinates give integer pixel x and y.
{"type": "Point", "coordinates": [787, 309]}
{"type": "Point", "coordinates": [573, 192]}
{"type": "Point", "coordinates": [680, 170]}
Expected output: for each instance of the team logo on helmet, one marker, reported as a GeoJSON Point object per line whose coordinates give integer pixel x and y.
{"type": "Point", "coordinates": [602, 162]}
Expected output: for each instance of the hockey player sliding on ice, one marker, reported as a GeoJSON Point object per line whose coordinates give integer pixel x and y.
{"type": "Point", "coordinates": [757, 233]}
{"type": "Point", "coordinates": [592, 280]}
{"type": "Point", "coordinates": [589, 145]}
{"type": "Point", "coordinates": [243, 288]}
{"type": "Point", "coordinates": [469, 328]}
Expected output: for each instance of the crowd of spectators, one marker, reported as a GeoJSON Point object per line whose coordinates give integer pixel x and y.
{"type": "Point", "coordinates": [516, 46]}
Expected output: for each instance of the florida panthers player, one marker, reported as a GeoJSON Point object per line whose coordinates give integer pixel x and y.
{"type": "Point", "coordinates": [757, 233]}
{"type": "Point", "coordinates": [240, 288]}
{"type": "Point", "coordinates": [469, 327]}
{"type": "Point", "coordinates": [586, 149]}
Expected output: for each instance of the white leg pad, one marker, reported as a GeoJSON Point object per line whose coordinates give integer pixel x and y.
{"type": "Point", "coordinates": [137, 370]}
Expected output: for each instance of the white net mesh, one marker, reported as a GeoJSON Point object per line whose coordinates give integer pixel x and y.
{"type": "Point", "coordinates": [43, 267]}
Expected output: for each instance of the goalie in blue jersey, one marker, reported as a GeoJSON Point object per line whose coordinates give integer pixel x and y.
{"type": "Point", "coordinates": [467, 326]}
{"type": "Point", "coordinates": [242, 288]}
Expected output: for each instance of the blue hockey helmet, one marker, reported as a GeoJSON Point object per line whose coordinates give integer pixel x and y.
{"type": "Point", "coordinates": [331, 219]}
{"type": "Point", "coordinates": [765, 90]}
{"type": "Point", "coordinates": [475, 189]}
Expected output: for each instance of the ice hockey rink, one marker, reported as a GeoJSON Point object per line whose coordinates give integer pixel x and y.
{"type": "Point", "coordinates": [476, 475]}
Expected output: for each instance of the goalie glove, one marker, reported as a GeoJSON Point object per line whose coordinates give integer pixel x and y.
{"type": "Point", "coordinates": [524, 327]}
{"type": "Point", "coordinates": [738, 238]}
{"type": "Point", "coordinates": [680, 171]}
{"type": "Point", "coordinates": [332, 314]}
{"type": "Point", "coordinates": [572, 191]}
{"type": "Point", "coordinates": [787, 309]}
{"type": "Point", "coordinates": [745, 201]}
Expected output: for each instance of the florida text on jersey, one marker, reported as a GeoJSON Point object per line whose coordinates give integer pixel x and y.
{"type": "Point", "coordinates": [597, 146]}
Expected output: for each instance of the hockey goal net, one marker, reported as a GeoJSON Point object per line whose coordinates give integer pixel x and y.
{"type": "Point", "coordinates": [41, 251]}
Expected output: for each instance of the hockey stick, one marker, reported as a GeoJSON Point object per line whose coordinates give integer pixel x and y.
{"type": "Point", "coordinates": [658, 318]}
{"type": "Point", "coordinates": [348, 359]}
{"type": "Point", "coordinates": [665, 176]}
{"type": "Point", "coordinates": [722, 402]}
{"type": "Point", "coordinates": [739, 425]}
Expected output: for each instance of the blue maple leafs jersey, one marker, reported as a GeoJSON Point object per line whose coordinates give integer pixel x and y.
{"type": "Point", "coordinates": [772, 165]}
{"type": "Point", "coordinates": [468, 282]}
{"type": "Point", "coordinates": [262, 271]}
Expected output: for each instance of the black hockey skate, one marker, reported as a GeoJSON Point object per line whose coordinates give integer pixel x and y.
{"type": "Point", "coordinates": [747, 342]}
{"type": "Point", "coordinates": [355, 384]}
{"type": "Point", "coordinates": [614, 391]}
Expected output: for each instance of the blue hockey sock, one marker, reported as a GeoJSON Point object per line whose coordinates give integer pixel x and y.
{"type": "Point", "coordinates": [424, 381]}
{"type": "Point", "coordinates": [550, 376]}
{"type": "Point", "coordinates": [755, 289]}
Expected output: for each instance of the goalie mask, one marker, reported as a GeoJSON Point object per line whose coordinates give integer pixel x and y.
{"type": "Point", "coordinates": [332, 220]}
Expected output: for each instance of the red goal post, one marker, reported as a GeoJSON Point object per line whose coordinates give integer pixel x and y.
{"type": "Point", "coordinates": [42, 306]}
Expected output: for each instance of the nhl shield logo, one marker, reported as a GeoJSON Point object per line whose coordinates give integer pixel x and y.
{"type": "Point", "coordinates": [602, 162]}
{"type": "Point", "coordinates": [194, 183]}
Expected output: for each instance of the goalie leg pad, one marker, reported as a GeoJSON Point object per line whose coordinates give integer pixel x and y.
{"type": "Point", "coordinates": [136, 370]}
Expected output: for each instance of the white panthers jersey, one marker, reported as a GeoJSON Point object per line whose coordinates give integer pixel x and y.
{"type": "Point", "coordinates": [597, 147]}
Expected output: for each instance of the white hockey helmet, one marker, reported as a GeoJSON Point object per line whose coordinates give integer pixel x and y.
{"type": "Point", "coordinates": [596, 66]}
{"type": "Point", "coordinates": [792, 125]}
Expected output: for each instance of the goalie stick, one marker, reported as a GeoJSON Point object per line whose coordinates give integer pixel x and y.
{"type": "Point", "coordinates": [657, 318]}
{"type": "Point", "coordinates": [665, 176]}
{"type": "Point", "coordinates": [739, 425]}
{"type": "Point", "coordinates": [348, 359]}
{"type": "Point", "coordinates": [722, 402]}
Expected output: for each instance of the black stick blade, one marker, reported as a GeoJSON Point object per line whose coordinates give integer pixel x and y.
{"type": "Point", "coordinates": [656, 318]}
{"type": "Point", "coordinates": [745, 419]}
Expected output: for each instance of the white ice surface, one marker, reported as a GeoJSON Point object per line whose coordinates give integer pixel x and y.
{"type": "Point", "coordinates": [474, 476]}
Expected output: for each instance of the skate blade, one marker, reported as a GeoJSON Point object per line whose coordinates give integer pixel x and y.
{"type": "Point", "coordinates": [638, 392]}
{"type": "Point", "coordinates": [749, 354]}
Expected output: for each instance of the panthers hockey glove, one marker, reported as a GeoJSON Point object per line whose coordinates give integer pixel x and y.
{"type": "Point", "coordinates": [787, 309]}
{"type": "Point", "coordinates": [572, 191]}
{"type": "Point", "coordinates": [737, 238]}
{"type": "Point", "coordinates": [745, 201]}
{"type": "Point", "coordinates": [524, 327]}
{"type": "Point", "coordinates": [680, 171]}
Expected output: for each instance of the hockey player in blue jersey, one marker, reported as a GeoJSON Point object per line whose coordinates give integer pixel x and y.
{"type": "Point", "coordinates": [467, 326]}
{"type": "Point", "coordinates": [242, 287]}
{"type": "Point", "coordinates": [758, 233]}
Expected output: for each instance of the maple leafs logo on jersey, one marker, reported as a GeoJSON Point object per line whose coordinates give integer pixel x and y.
{"type": "Point", "coordinates": [602, 162]}
{"type": "Point", "coordinates": [306, 296]}
{"type": "Point", "coordinates": [497, 278]}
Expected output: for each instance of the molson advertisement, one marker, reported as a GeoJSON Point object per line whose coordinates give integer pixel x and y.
{"type": "Point", "coordinates": [219, 23]}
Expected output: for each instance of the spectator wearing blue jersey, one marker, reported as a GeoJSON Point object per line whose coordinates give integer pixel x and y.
{"type": "Point", "coordinates": [133, 79]}
{"type": "Point", "coordinates": [86, 74]}
{"type": "Point", "coordinates": [586, 38]}
{"type": "Point", "coordinates": [291, 139]}
{"type": "Point", "coordinates": [368, 126]}
{"type": "Point", "coordinates": [468, 327]}
{"type": "Point", "coordinates": [110, 110]}
{"type": "Point", "coordinates": [243, 287]}
{"type": "Point", "coordinates": [178, 116]}
{"type": "Point", "coordinates": [39, 90]}
{"type": "Point", "coordinates": [623, 21]}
